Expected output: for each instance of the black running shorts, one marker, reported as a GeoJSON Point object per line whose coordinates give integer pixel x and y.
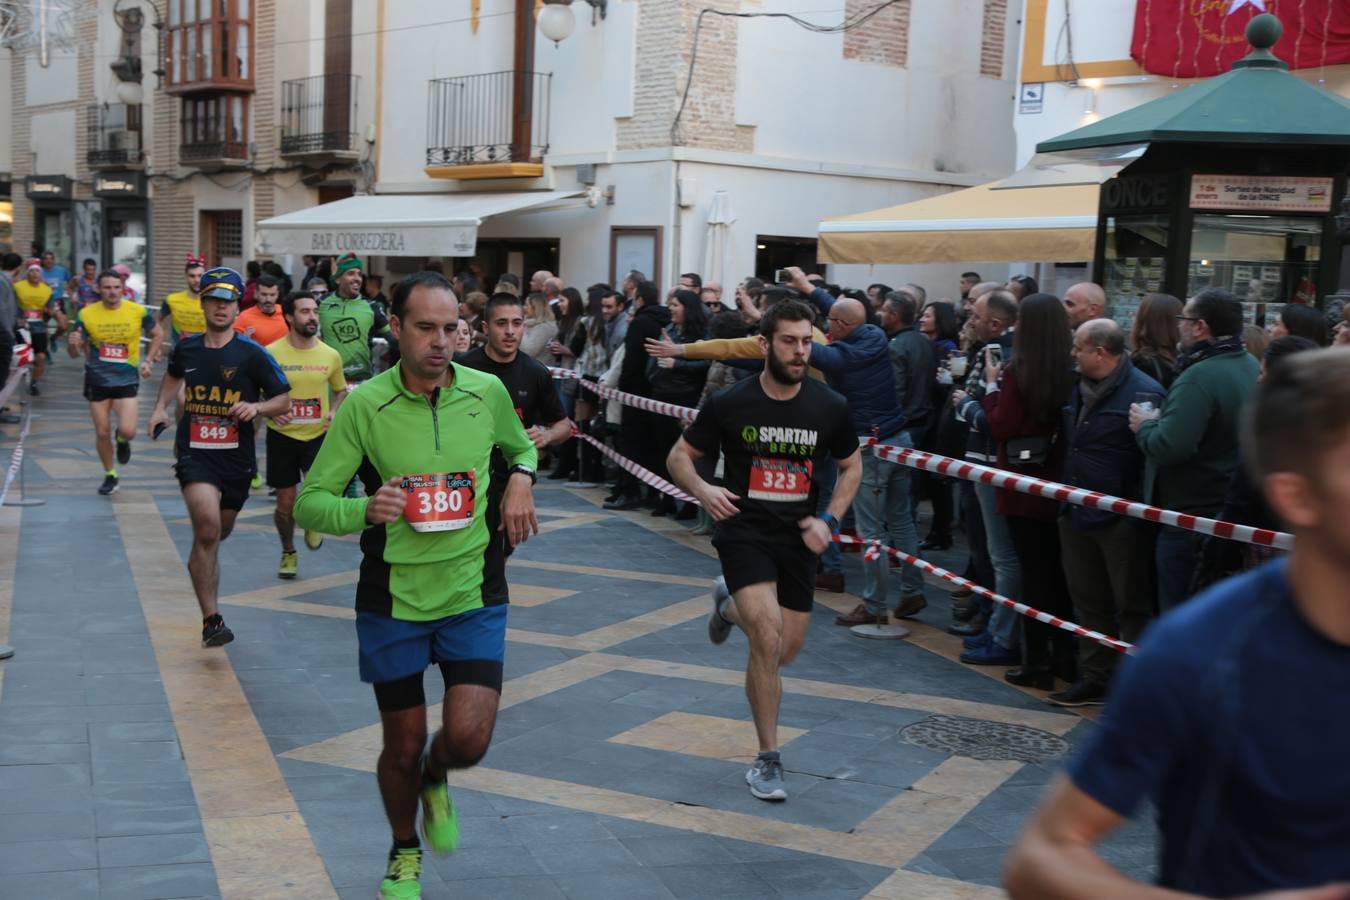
{"type": "Point", "coordinates": [94, 393]}
{"type": "Point", "coordinates": [788, 564]}
{"type": "Point", "coordinates": [288, 459]}
{"type": "Point", "coordinates": [233, 491]}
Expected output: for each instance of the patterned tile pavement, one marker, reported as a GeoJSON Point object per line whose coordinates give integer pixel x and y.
{"type": "Point", "coordinates": [134, 764]}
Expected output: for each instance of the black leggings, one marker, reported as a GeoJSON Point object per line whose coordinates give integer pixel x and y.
{"type": "Point", "coordinates": [1043, 587]}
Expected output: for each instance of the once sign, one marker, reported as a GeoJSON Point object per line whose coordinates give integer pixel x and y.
{"type": "Point", "coordinates": [1263, 193]}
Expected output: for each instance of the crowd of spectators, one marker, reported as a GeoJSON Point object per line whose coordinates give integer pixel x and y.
{"type": "Point", "coordinates": [1005, 376]}
{"type": "Point", "coordinates": [1002, 375]}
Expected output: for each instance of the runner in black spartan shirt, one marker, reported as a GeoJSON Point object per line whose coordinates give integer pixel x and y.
{"type": "Point", "coordinates": [532, 393]}
{"type": "Point", "coordinates": [225, 377]}
{"type": "Point", "coordinates": [775, 431]}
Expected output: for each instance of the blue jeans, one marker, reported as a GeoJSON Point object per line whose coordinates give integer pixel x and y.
{"type": "Point", "coordinates": [1004, 623]}
{"type": "Point", "coordinates": [832, 560]}
{"type": "Point", "coordinates": [883, 511]}
{"type": "Point", "coordinates": [1175, 555]}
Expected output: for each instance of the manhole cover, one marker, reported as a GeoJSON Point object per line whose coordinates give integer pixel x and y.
{"type": "Point", "coordinates": [979, 739]}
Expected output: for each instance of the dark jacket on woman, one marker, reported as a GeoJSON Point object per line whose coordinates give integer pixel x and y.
{"type": "Point", "coordinates": [1101, 453]}
{"type": "Point", "coordinates": [648, 322]}
{"type": "Point", "coordinates": [685, 380]}
{"type": "Point", "coordinates": [1008, 420]}
{"type": "Point", "coordinates": [1156, 367]}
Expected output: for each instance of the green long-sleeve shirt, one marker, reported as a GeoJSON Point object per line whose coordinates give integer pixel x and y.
{"type": "Point", "coordinates": [428, 563]}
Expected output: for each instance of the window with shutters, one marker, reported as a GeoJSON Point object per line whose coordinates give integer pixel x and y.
{"type": "Point", "coordinates": [208, 44]}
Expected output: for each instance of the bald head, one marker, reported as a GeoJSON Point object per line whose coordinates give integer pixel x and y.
{"type": "Point", "coordinates": [979, 290]}
{"type": "Point", "coordinates": [1084, 302]}
{"type": "Point", "coordinates": [1098, 345]}
{"type": "Point", "coordinates": [845, 316]}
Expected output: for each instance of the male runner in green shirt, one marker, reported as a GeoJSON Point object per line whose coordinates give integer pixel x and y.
{"type": "Point", "coordinates": [420, 436]}
{"type": "Point", "coordinates": [347, 321]}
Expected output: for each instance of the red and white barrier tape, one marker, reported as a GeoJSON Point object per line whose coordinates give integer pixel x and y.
{"type": "Point", "coordinates": [875, 548]}
{"type": "Point", "coordinates": [945, 465]}
{"type": "Point", "coordinates": [16, 459]}
{"type": "Point", "coordinates": [873, 551]}
{"type": "Point", "coordinates": [646, 476]}
{"type": "Point", "coordinates": [673, 410]}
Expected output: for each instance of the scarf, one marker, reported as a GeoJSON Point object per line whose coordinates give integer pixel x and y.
{"type": "Point", "coordinates": [1206, 349]}
{"type": "Point", "coordinates": [1093, 392]}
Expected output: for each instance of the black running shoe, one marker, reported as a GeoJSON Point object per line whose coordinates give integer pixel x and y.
{"type": "Point", "coordinates": [123, 451]}
{"type": "Point", "coordinates": [109, 485]}
{"type": "Point", "coordinates": [215, 633]}
{"type": "Point", "coordinates": [33, 389]}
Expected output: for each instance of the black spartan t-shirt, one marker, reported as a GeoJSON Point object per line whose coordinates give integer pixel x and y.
{"type": "Point", "coordinates": [532, 394]}
{"type": "Point", "coordinates": [774, 452]}
{"type": "Point", "coordinates": [214, 380]}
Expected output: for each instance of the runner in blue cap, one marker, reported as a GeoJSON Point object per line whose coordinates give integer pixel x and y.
{"type": "Point", "coordinates": [226, 377]}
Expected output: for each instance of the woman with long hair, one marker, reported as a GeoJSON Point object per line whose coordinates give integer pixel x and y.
{"type": "Point", "coordinates": [678, 381]}
{"type": "Point", "coordinates": [565, 348]}
{"type": "Point", "coordinates": [1154, 337]}
{"type": "Point", "coordinates": [592, 360]}
{"type": "Point", "coordinates": [939, 324]}
{"type": "Point", "coordinates": [1025, 405]}
{"type": "Point", "coordinates": [540, 328]}
{"type": "Point", "coordinates": [1301, 321]}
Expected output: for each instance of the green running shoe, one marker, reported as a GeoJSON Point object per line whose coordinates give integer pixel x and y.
{"type": "Point", "coordinates": [256, 482]}
{"type": "Point", "coordinates": [401, 877]}
{"type": "Point", "coordinates": [289, 561]}
{"type": "Point", "coordinates": [440, 822]}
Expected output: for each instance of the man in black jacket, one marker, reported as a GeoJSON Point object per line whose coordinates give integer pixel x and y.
{"type": "Point", "coordinates": [636, 434]}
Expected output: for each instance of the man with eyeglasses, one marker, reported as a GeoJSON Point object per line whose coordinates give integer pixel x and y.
{"type": "Point", "coordinates": [1190, 444]}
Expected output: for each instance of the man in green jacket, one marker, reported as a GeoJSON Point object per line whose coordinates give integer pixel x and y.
{"type": "Point", "coordinates": [1190, 445]}
{"type": "Point", "coordinates": [347, 321]}
{"type": "Point", "coordinates": [420, 436]}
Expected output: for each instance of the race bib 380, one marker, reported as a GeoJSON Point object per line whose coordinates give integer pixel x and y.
{"type": "Point", "coordinates": [439, 501]}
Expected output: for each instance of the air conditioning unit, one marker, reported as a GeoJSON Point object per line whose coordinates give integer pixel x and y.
{"type": "Point", "coordinates": [124, 140]}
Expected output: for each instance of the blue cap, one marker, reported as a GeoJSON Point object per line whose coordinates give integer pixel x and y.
{"type": "Point", "coordinates": [222, 283]}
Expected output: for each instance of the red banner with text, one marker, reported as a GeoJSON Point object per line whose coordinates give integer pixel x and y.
{"type": "Point", "coordinates": [1200, 38]}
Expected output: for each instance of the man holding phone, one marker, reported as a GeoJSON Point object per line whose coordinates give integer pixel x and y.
{"type": "Point", "coordinates": [992, 318]}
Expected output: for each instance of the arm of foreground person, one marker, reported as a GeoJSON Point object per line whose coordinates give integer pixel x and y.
{"type": "Point", "coordinates": [321, 505]}
{"type": "Point", "coordinates": [718, 501]}
{"type": "Point", "coordinates": [1056, 859]}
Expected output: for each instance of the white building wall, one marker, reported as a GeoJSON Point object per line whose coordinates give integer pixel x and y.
{"type": "Point", "coordinates": [1102, 30]}
{"type": "Point", "coordinates": [6, 114]}
{"type": "Point", "coordinates": [831, 136]}
{"type": "Point", "coordinates": [806, 101]}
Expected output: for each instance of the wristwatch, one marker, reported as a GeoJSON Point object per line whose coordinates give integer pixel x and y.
{"type": "Point", "coordinates": [522, 470]}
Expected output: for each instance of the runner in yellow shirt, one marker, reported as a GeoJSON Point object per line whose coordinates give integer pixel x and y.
{"type": "Point", "coordinates": [35, 307]}
{"type": "Point", "coordinates": [110, 330]}
{"type": "Point", "coordinates": [183, 310]}
{"type": "Point", "coordinates": [318, 386]}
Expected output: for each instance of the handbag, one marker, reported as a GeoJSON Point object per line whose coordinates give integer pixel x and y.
{"type": "Point", "coordinates": [1030, 451]}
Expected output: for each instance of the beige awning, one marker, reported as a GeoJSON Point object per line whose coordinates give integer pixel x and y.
{"type": "Point", "coordinates": [980, 224]}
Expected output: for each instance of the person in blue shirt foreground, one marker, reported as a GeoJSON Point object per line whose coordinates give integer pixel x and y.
{"type": "Point", "coordinates": [1231, 719]}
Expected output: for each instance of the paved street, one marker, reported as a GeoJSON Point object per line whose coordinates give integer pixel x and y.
{"type": "Point", "coordinates": [134, 764]}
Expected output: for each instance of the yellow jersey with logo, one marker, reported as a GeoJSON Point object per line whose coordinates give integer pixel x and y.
{"type": "Point", "coordinates": [314, 374]}
{"type": "Point", "coordinates": [186, 312]}
{"type": "Point", "coordinates": [34, 301]}
{"type": "Point", "coordinates": [113, 336]}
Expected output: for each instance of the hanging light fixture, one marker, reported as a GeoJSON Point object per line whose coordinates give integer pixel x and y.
{"type": "Point", "coordinates": [556, 21]}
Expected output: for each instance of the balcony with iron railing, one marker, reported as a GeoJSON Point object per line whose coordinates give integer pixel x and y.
{"type": "Point", "coordinates": [318, 116]}
{"type": "Point", "coordinates": [493, 125]}
{"type": "Point", "coordinates": [114, 136]}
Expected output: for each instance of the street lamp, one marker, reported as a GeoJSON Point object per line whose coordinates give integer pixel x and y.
{"type": "Point", "coordinates": [556, 20]}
